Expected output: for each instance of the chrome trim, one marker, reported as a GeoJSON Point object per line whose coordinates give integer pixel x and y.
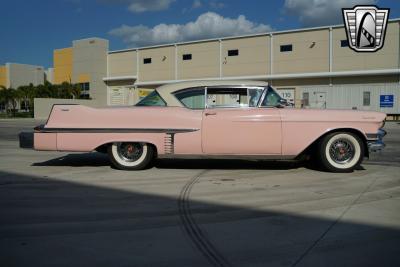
{"type": "Point", "coordinates": [371, 136]}
{"type": "Point", "coordinates": [205, 98]}
{"type": "Point", "coordinates": [217, 156]}
{"type": "Point", "coordinates": [342, 151]}
{"type": "Point", "coordinates": [205, 88]}
{"type": "Point", "coordinates": [169, 143]}
{"type": "Point", "coordinates": [127, 156]}
{"type": "Point", "coordinates": [262, 97]}
{"type": "Point", "coordinates": [381, 133]}
{"type": "Point", "coordinates": [43, 129]}
{"type": "Point", "coordinates": [376, 144]}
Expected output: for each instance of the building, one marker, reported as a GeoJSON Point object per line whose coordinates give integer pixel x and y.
{"type": "Point", "coordinates": [49, 75]}
{"type": "Point", "coordinates": [311, 67]}
{"type": "Point", "coordinates": [85, 63]}
{"type": "Point", "coordinates": [13, 75]}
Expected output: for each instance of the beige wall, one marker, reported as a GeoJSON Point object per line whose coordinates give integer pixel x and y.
{"type": "Point", "coordinates": [310, 54]}
{"type": "Point", "coordinates": [305, 56]}
{"type": "Point", "coordinates": [204, 63]}
{"type": "Point", "coordinates": [298, 82]}
{"type": "Point", "coordinates": [345, 58]}
{"type": "Point", "coordinates": [366, 79]}
{"type": "Point", "coordinates": [162, 66]}
{"type": "Point", "coordinates": [122, 64]}
{"type": "Point", "coordinates": [23, 74]}
{"type": "Point", "coordinates": [90, 64]}
{"type": "Point", "coordinates": [253, 59]}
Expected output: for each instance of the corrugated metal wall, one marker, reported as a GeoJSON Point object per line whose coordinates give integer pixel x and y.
{"type": "Point", "coordinates": [350, 96]}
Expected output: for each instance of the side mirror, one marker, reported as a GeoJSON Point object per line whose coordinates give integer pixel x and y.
{"type": "Point", "coordinates": [284, 103]}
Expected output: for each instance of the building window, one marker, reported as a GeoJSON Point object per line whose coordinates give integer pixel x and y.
{"type": "Point", "coordinates": [366, 98]}
{"type": "Point", "coordinates": [84, 90]}
{"type": "Point", "coordinates": [286, 48]}
{"type": "Point", "coordinates": [344, 43]}
{"type": "Point", "coordinates": [233, 53]}
{"type": "Point", "coordinates": [147, 60]}
{"type": "Point", "coordinates": [306, 99]}
{"type": "Point", "coordinates": [187, 57]}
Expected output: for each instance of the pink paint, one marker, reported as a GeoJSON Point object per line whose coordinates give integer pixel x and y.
{"type": "Point", "coordinates": [231, 131]}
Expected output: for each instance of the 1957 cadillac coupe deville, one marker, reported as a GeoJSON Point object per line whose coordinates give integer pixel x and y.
{"type": "Point", "coordinates": [225, 119]}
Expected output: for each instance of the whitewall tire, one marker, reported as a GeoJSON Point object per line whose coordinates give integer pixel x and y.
{"type": "Point", "coordinates": [341, 152]}
{"type": "Point", "coordinates": [130, 155]}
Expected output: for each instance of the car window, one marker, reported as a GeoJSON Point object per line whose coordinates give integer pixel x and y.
{"type": "Point", "coordinates": [192, 98]}
{"type": "Point", "coordinates": [153, 99]}
{"type": "Point", "coordinates": [254, 96]}
{"type": "Point", "coordinates": [271, 99]}
{"type": "Point", "coordinates": [227, 97]}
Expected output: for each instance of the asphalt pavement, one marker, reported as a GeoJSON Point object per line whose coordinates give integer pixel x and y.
{"type": "Point", "coordinates": [73, 209]}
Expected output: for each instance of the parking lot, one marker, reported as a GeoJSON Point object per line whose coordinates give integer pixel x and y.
{"type": "Point", "coordinates": [73, 209]}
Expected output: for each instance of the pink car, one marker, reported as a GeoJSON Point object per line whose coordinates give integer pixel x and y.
{"type": "Point", "coordinates": [209, 119]}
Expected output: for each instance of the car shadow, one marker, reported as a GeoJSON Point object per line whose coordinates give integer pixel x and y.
{"type": "Point", "coordinates": [54, 222]}
{"type": "Point", "coordinates": [99, 159]}
{"type": "Point", "coordinates": [93, 159]}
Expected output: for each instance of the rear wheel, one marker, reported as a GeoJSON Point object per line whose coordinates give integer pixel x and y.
{"type": "Point", "coordinates": [130, 155]}
{"type": "Point", "coordinates": [341, 152]}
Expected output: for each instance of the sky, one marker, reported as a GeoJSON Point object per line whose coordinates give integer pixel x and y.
{"type": "Point", "coordinates": [30, 30]}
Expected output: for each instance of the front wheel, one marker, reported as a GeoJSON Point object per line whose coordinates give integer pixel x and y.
{"type": "Point", "coordinates": [130, 156]}
{"type": "Point", "coordinates": [341, 152]}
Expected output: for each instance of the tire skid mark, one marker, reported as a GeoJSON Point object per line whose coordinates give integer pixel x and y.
{"type": "Point", "coordinates": [192, 229]}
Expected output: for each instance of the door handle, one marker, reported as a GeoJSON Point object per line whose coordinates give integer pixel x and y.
{"type": "Point", "coordinates": [210, 113]}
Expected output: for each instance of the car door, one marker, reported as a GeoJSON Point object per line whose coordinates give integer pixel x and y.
{"type": "Point", "coordinates": [231, 126]}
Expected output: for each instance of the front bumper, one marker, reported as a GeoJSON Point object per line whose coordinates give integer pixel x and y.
{"type": "Point", "coordinates": [377, 145]}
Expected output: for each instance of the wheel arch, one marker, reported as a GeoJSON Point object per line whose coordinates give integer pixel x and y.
{"type": "Point", "coordinates": [311, 148]}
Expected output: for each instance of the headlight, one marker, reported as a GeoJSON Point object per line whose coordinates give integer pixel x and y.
{"type": "Point", "coordinates": [383, 123]}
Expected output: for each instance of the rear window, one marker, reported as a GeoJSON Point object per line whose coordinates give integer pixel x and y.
{"type": "Point", "coordinates": [192, 98]}
{"type": "Point", "coordinates": [153, 99]}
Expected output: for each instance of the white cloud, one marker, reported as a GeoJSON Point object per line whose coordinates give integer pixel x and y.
{"type": "Point", "coordinates": [207, 25]}
{"type": "Point", "coordinates": [139, 6]}
{"type": "Point", "coordinates": [197, 4]}
{"type": "Point", "coordinates": [321, 12]}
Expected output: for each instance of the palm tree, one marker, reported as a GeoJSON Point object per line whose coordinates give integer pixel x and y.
{"type": "Point", "coordinates": [26, 93]}
{"type": "Point", "coordinates": [76, 91]}
{"type": "Point", "coordinates": [9, 96]}
{"type": "Point", "coordinates": [69, 90]}
{"type": "Point", "coordinates": [3, 97]}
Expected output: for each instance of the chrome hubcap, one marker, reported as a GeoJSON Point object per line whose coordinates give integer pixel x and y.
{"type": "Point", "coordinates": [130, 151]}
{"type": "Point", "coordinates": [341, 151]}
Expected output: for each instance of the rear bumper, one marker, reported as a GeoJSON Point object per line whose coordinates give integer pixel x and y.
{"type": "Point", "coordinates": [26, 140]}
{"type": "Point", "coordinates": [377, 145]}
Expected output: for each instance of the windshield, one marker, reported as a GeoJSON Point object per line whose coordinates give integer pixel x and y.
{"type": "Point", "coordinates": [271, 99]}
{"type": "Point", "coordinates": [153, 99]}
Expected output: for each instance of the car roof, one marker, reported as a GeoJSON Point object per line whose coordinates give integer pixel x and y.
{"type": "Point", "coordinates": [166, 91]}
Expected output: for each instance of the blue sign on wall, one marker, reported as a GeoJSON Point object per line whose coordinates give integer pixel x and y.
{"type": "Point", "coordinates": [386, 101]}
